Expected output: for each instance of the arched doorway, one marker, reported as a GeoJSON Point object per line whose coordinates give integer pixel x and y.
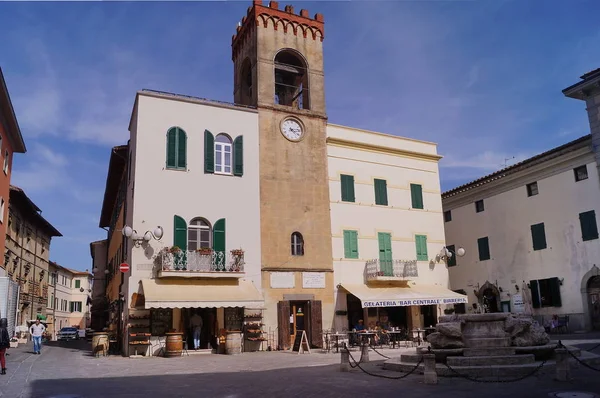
{"type": "Point", "coordinates": [593, 291]}
{"type": "Point", "coordinates": [589, 284]}
{"type": "Point", "coordinates": [489, 297]}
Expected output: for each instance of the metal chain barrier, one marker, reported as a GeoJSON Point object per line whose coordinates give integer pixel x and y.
{"type": "Point", "coordinates": [577, 359]}
{"type": "Point", "coordinates": [357, 365]}
{"type": "Point", "coordinates": [593, 348]}
{"type": "Point", "coordinates": [378, 353]}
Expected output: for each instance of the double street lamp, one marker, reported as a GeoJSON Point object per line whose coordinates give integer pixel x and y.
{"type": "Point", "coordinates": [139, 239]}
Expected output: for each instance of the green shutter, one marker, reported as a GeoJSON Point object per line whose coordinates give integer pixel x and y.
{"type": "Point", "coordinates": [538, 236]}
{"type": "Point", "coordinates": [209, 152]}
{"type": "Point", "coordinates": [416, 194]}
{"type": "Point", "coordinates": [172, 148]}
{"type": "Point", "coordinates": [589, 228]}
{"type": "Point", "coordinates": [421, 244]}
{"type": "Point", "coordinates": [180, 233]}
{"type": "Point", "coordinates": [483, 245]}
{"type": "Point", "coordinates": [347, 183]}
{"type": "Point", "coordinates": [77, 284]}
{"type": "Point", "coordinates": [385, 253]}
{"type": "Point", "coordinates": [381, 192]}
{"type": "Point", "coordinates": [219, 236]}
{"type": "Point", "coordinates": [555, 292]}
{"type": "Point", "coordinates": [535, 294]}
{"type": "Point", "coordinates": [350, 244]}
{"type": "Point", "coordinates": [181, 149]}
{"type": "Point", "coordinates": [238, 156]}
{"type": "Point", "coordinates": [451, 260]}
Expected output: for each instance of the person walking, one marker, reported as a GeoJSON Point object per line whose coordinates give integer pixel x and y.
{"type": "Point", "coordinates": [37, 331]}
{"type": "Point", "coordinates": [4, 343]}
{"type": "Point", "coordinates": [196, 325]}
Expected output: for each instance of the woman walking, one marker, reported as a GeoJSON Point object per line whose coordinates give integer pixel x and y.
{"type": "Point", "coordinates": [4, 343]}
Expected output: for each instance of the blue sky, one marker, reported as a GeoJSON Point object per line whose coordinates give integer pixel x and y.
{"type": "Point", "coordinates": [483, 79]}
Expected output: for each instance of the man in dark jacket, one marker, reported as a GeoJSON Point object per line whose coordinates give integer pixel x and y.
{"type": "Point", "coordinates": [4, 343]}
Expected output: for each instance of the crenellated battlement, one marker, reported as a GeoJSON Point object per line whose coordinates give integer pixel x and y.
{"type": "Point", "coordinates": [286, 20]}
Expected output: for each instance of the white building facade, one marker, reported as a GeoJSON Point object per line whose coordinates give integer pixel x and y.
{"type": "Point", "coordinates": [387, 230]}
{"type": "Point", "coordinates": [69, 300]}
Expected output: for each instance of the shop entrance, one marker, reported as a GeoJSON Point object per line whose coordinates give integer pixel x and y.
{"type": "Point", "coordinates": [295, 316]}
{"type": "Point", "coordinates": [208, 334]}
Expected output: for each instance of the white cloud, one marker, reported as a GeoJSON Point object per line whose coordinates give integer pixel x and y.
{"type": "Point", "coordinates": [45, 170]}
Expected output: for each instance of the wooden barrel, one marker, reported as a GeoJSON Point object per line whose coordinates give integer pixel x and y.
{"type": "Point", "coordinates": [233, 343]}
{"type": "Point", "coordinates": [99, 339]}
{"type": "Point", "coordinates": [174, 345]}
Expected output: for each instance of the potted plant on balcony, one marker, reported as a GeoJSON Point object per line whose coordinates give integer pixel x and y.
{"type": "Point", "coordinates": [205, 251]}
{"type": "Point", "coordinates": [238, 260]}
{"type": "Point", "coordinates": [175, 249]}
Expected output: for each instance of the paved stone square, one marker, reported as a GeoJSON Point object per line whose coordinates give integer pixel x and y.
{"type": "Point", "coordinates": [69, 370]}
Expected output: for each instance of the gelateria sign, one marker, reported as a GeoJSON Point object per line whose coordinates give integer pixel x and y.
{"type": "Point", "coordinates": [409, 302]}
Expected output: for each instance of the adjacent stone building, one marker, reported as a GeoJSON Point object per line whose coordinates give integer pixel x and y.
{"type": "Point", "coordinates": [27, 254]}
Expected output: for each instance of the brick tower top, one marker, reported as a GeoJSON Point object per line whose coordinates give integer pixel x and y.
{"type": "Point", "coordinates": [279, 19]}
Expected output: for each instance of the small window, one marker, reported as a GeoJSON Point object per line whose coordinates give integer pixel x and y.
{"type": "Point", "coordinates": [589, 227]}
{"type": "Point", "coordinates": [199, 234]}
{"type": "Point", "coordinates": [452, 259]}
{"type": "Point", "coordinates": [545, 293]}
{"type": "Point", "coordinates": [6, 160]}
{"type": "Point", "coordinates": [538, 236]}
{"type": "Point", "coordinates": [448, 216]}
{"type": "Point", "coordinates": [416, 196]}
{"type": "Point", "coordinates": [532, 189]}
{"type": "Point", "coordinates": [580, 173]}
{"type": "Point", "coordinates": [297, 244]}
{"type": "Point", "coordinates": [223, 154]}
{"type": "Point", "coordinates": [381, 192]}
{"type": "Point", "coordinates": [483, 244]}
{"type": "Point", "coordinates": [479, 207]}
{"type": "Point", "coordinates": [77, 284]}
{"type": "Point", "coordinates": [347, 185]}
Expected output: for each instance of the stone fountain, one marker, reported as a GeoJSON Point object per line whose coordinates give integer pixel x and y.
{"type": "Point", "coordinates": [483, 345]}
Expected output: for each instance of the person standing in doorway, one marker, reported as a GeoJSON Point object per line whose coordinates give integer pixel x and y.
{"type": "Point", "coordinates": [37, 331]}
{"type": "Point", "coordinates": [4, 343]}
{"type": "Point", "coordinates": [196, 325]}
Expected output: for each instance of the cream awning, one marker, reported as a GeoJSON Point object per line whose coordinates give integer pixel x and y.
{"type": "Point", "coordinates": [404, 296]}
{"type": "Point", "coordinates": [160, 293]}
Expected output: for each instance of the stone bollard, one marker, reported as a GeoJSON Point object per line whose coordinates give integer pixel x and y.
{"type": "Point", "coordinates": [562, 364]}
{"type": "Point", "coordinates": [430, 372]}
{"type": "Point", "coordinates": [364, 357]}
{"type": "Point", "coordinates": [345, 364]}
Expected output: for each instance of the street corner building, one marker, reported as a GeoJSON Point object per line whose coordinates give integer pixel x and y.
{"type": "Point", "coordinates": [259, 216]}
{"type": "Point", "coordinates": [530, 231]}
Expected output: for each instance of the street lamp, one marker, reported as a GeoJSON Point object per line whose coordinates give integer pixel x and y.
{"type": "Point", "coordinates": [446, 254]}
{"type": "Point", "coordinates": [139, 239]}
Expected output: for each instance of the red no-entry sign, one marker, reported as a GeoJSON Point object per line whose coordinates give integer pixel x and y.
{"type": "Point", "coordinates": [124, 267]}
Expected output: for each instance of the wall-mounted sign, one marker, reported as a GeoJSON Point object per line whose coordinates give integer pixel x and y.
{"type": "Point", "coordinates": [518, 305]}
{"type": "Point", "coordinates": [409, 302]}
{"type": "Point", "coordinates": [313, 280]}
{"type": "Point", "coordinates": [282, 280]}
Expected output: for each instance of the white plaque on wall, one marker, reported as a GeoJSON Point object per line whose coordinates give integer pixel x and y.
{"type": "Point", "coordinates": [313, 280]}
{"type": "Point", "coordinates": [282, 280]}
{"type": "Point", "coordinates": [518, 305]}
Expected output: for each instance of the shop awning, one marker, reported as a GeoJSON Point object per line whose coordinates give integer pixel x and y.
{"type": "Point", "coordinates": [160, 293]}
{"type": "Point", "coordinates": [404, 296]}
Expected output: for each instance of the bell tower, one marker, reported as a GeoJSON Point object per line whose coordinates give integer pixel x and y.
{"type": "Point", "coordinates": [278, 68]}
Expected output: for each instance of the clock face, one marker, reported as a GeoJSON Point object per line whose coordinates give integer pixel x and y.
{"type": "Point", "coordinates": [291, 129]}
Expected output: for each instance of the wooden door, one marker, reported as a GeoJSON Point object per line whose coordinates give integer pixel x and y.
{"type": "Point", "coordinates": [315, 324]}
{"type": "Point", "coordinates": [283, 324]}
{"type": "Point", "coordinates": [385, 253]}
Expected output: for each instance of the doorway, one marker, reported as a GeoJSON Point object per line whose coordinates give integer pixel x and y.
{"type": "Point", "coordinates": [208, 335]}
{"type": "Point", "coordinates": [429, 313]}
{"type": "Point", "coordinates": [297, 315]}
{"type": "Point", "coordinates": [593, 289]}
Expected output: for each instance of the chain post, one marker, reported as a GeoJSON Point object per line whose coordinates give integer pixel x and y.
{"type": "Point", "coordinates": [562, 363]}
{"type": "Point", "coordinates": [430, 373]}
{"type": "Point", "coordinates": [345, 360]}
{"type": "Point", "coordinates": [364, 357]}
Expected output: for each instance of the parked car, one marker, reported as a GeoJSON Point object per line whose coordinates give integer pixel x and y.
{"type": "Point", "coordinates": [68, 333]}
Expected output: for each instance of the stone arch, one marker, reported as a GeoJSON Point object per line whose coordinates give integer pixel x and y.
{"type": "Point", "coordinates": [585, 299]}
{"type": "Point", "coordinates": [492, 290]}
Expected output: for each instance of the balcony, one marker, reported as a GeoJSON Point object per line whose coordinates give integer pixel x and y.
{"type": "Point", "coordinates": [391, 270]}
{"type": "Point", "coordinates": [201, 264]}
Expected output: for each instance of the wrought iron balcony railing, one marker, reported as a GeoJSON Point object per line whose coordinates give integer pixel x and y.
{"type": "Point", "coordinates": [391, 269]}
{"type": "Point", "coordinates": [201, 262]}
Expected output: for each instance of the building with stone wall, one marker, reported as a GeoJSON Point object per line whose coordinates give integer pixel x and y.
{"type": "Point", "coordinates": [27, 254]}
{"type": "Point", "coordinates": [99, 311]}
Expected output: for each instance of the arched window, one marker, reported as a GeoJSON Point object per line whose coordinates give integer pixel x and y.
{"type": "Point", "coordinates": [176, 149]}
{"type": "Point", "coordinates": [223, 154]}
{"type": "Point", "coordinates": [297, 244]}
{"type": "Point", "coordinates": [199, 234]}
{"type": "Point", "coordinates": [246, 82]}
{"type": "Point", "coordinates": [291, 80]}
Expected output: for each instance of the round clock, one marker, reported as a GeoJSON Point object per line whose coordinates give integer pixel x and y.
{"type": "Point", "coordinates": [292, 129]}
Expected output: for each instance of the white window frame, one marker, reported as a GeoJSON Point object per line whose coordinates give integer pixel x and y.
{"type": "Point", "coordinates": [197, 228]}
{"type": "Point", "coordinates": [297, 243]}
{"type": "Point", "coordinates": [222, 148]}
{"type": "Point", "coordinates": [2, 205]}
{"type": "Point", "coordinates": [5, 166]}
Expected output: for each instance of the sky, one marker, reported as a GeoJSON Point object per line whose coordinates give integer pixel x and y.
{"type": "Point", "coordinates": [483, 79]}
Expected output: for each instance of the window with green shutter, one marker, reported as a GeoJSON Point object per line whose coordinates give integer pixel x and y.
{"type": "Point", "coordinates": [219, 236]}
{"type": "Point", "coordinates": [483, 244]}
{"type": "Point", "coordinates": [421, 244]}
{"type": "Point", "coordinates": [176, 149]}
{"type": "Point", "coordinates": [209, 152]}
{"type": "Point", "coordinates": [180, 233]}
{"type": "Point", "coordinates": [535, 294]}
{"type": "Point", "coordinates": [238, 156]}
{"type": "Point", "coordinates": [350, 244]}
{"type": "Point", "coordinates": [452, 259]}
{"type": "Point", "coordinates": [416, 195]}
{"type": "Point", "coordinates": [381, 192]}
{"type": "Point", "coordinates": [545, 292]}
{"type": "Point", "coordinates": [589, 228]}
{"type": "Point", "coordinates": [347, 183]}
{"type": "Point", "coordinates": [77, 284]}
{"type": "Point", "coordinates": [386, 264]}
{"type": "Point", "coordinates": [538, 236]}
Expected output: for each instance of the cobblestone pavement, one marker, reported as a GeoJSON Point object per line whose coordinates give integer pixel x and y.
{"type": "Point", "coordinates": [69, 371]}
